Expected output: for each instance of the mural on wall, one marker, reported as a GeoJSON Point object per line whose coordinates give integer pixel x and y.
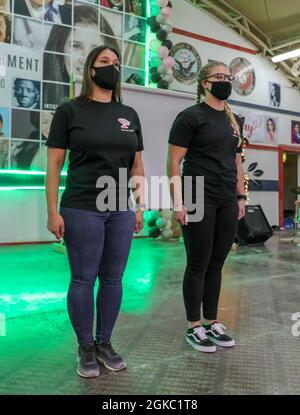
{"type": "Point", "coordinates": [244, 74]}
{"type": "Point", "coordinates": [187, 63]}
{"type": "Point", "coordinates": [295, 132]}
{"type": "Point", "coordinates": [259, 128]}
{"type": "Point", "coordinates": [43, 45]}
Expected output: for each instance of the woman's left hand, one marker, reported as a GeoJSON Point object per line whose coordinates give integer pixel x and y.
{"type": "Point", "coordinates": [139, 221]}
{"type": "Point", "coordinates": [242, 204]}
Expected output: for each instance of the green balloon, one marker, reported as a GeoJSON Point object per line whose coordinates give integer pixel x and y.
{"type": "Point", "coordinates": [154, 10]}
{"type": "Point", "coordinates": [156, 61]}
{"type": "Point", "coordinates": [154, 44]}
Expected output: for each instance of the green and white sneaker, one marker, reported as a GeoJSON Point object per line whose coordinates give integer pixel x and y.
{"type": "Point", "coordinates": [215, 332]}
{"type": "Point", "coordinates": [197, 338]}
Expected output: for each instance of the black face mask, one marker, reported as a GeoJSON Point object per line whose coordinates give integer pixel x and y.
{"type": "Point", "coordinates": [106, 77]}
{"type": "Point", "coordinates": [221, 90]}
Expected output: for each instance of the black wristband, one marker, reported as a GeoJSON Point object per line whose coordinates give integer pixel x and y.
{"type": "Point", "coordinates": [241, 197]}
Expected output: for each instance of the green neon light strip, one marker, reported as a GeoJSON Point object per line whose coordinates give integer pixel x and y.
{"type": "Point", "coordinates": [147, 45]}
{"type": "Point", "coordinates": [27, 188]}
{"type": "Point", "coordinates": [28, 172]}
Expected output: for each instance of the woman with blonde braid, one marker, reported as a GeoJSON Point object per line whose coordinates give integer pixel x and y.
{"type": "Point", "coordinates": [208, 137]}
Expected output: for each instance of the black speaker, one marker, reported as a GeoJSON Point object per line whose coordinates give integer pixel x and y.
{"type": "Point", "coordinates": [254, 227]}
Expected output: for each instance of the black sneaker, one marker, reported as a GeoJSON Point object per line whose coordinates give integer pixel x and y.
{"type": "Point", "coordinates": [215, 332]}
{"type": "Point", "coordinates": [197, 338]}
{"type": "Point", "coordinates": [87, 363]}
{"type": "Point", "coordinates": [108, 357]}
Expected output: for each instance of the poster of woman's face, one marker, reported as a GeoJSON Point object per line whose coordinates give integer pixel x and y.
{"type": "Point", "coordinates": [274, 94]}
{"type": "Point", "coordinates": [28, 33]}
{"type": "Point", "coordinates": [135, 28]}
{"type": "Point", "coordinates": [109, 20]}
{"type": "Point", "coordinates": [4, 121]}
{"type": "Point", "coordinates": [295, 132]}
{"type": "Point", "coordinates": [25, 124]}
{"type": "Point", "coordinates": [26, 93]}
{"type": "Point", "coordinates": [86, 16]}
{"type": "Point", "coordinates": [271, 130]}
{"type": "Point", "coordinates": [5, 28]}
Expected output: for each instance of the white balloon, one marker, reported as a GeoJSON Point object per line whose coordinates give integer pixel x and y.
{"type": "Point", "coordinates": [162, 69]}
{"type": "Point", "coordinates": [169, 78]}
{"type": "Point", "coordinates": [166, 234]}
{"type": "Point", "coordinates": [161, 223]}
{"type": "Point", "coordinates": [160, 18]}
{"type": "Point", "coordinates": [167, 27]}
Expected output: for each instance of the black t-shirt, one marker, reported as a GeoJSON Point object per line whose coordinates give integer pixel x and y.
{"type": "Point", "coordinates": [212, 146]}
{"type": "Point", "coordinates": [101, 137]}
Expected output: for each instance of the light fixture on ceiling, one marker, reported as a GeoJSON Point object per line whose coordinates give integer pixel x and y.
{"type": "Point", "coordinates": [287, 55]}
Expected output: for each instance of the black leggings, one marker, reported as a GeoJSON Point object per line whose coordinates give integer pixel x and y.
{"type": "Point", "coordinates": [207, 245]}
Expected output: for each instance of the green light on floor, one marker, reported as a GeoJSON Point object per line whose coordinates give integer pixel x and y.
{"type": "Point", "coordinates": [26, 188]}
{"type": "Point", "coordinates": [28, 172]}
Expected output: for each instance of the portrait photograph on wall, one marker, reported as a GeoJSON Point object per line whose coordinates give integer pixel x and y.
{"type": "Point", "coordinates": [26, 93]}
{"type": "Point", "coordinates": [5, 6]}
{"type": "Point", "coordinates": [135, 28]}
{"type": "Point", "coordinates": [274, 94]}
{"type": "Point", "coordinates": [111, 22]}
{"type": "Point", "coordinates": [133, 76]}
{"type": "Point", "coordinates": [25, 124]}
{"type": "Point", "coordinates": [295, 132]}
{"type": "Point", "coordinates": [25, 155]}
{"type": "Point", "coordinates": [5, 28]}
{"type": "Point", "coordinates": [271, 130]}
{"type": "Point", "coordinates": [28, 33]}
{"type": "Point", "coordinates": [4, 121]}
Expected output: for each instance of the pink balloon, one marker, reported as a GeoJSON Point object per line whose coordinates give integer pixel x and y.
{"type": "Point", "coordinates": [166, 11]}
{"type": "Point", "coordinates": [169, 62]}
{"type": "Point", "coordinates": [163, 51]}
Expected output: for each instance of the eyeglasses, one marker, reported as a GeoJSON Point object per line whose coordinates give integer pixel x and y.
{"type": "Point", "coordinates": [222, 77]}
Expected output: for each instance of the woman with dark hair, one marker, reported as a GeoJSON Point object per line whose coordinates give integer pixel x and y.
{"type": "Point", "coordinates": [208, 137]}
{"type": "Point", "coordinates": [275, 95]}
{"type": "Point", "coordinates": [105, 141]}
{"type": "Point", "coordinates": [58, 67]}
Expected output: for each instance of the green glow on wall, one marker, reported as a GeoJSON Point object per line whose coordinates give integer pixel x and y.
{"type": "Point", "coordinates": [26, 180]}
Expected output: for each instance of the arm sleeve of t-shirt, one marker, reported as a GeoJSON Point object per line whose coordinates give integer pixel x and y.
{"type": "Point", "coordinates": [182, 130]}
{"type": "Point", "coordinates": [240, 121]}
{"type": "Point", "coordinates": [58, 134]}
{"type": "Point", "coordinates": [138, 131]}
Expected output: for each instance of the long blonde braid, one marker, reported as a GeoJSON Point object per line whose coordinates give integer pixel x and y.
{"type": "Point", "coordinates": [233, 122]}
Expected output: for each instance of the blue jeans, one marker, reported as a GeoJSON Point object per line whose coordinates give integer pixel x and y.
{"type": "Point", "coordinates": [98, 245]}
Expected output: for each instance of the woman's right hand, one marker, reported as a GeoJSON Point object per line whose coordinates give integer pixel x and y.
{"type": "Point", "coordinates": [181, 215]}
{"type": "Point", "coordinates": [56, 225]}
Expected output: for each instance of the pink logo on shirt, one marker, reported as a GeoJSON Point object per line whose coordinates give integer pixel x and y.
{"type": "Point", "coordinates": [124, 123]}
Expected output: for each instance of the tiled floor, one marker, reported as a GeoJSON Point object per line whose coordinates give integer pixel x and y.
{"type": "Point", "coordinates": [261, 292]}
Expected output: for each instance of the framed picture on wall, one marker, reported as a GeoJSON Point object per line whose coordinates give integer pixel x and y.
{"type": "Point", "coordinates": [25, 124]}
{"type": "Point", "coordinates": [5, 28]}
{"type": "Point", "coordinates": [25, 155]}
{"type": "Point", "coordinates": [133, 76]}
{"type": "Point", "coordinates": [4, 149]}
{"type": "Point", "coordinates": [271, 130]}
{"type": "Point", "coordinates": [54, 94]}
{"type": "Point", "coordinates": [58, 12]}
{"type": "Point", "coordinates": [134, 55]}
{"type": "Point", "coordinates": [137, 7]}
{"type": "Point", "coordinates": [86, 16]}
{"type": "Point", "coordinates": [111, 23]}
{"type": "Point", "coordinates": [26, 93]}
{"type": "Point", "coordinates": [295, 132]}
{"type": "Point", "coordinates": [4, 121]}
{"type": "Point", "coordinates": [116, 5]}
{"type": "Point", "coordinates": [28, 33]}
{"type": "Point", "coordinates": [47, 117]}
{"type": "Point", "coordinates": [274, 94]}
{"type": "Point", "coordinates": [5, 6]}
{"type": "Point", "coordinates": [135, 28]}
